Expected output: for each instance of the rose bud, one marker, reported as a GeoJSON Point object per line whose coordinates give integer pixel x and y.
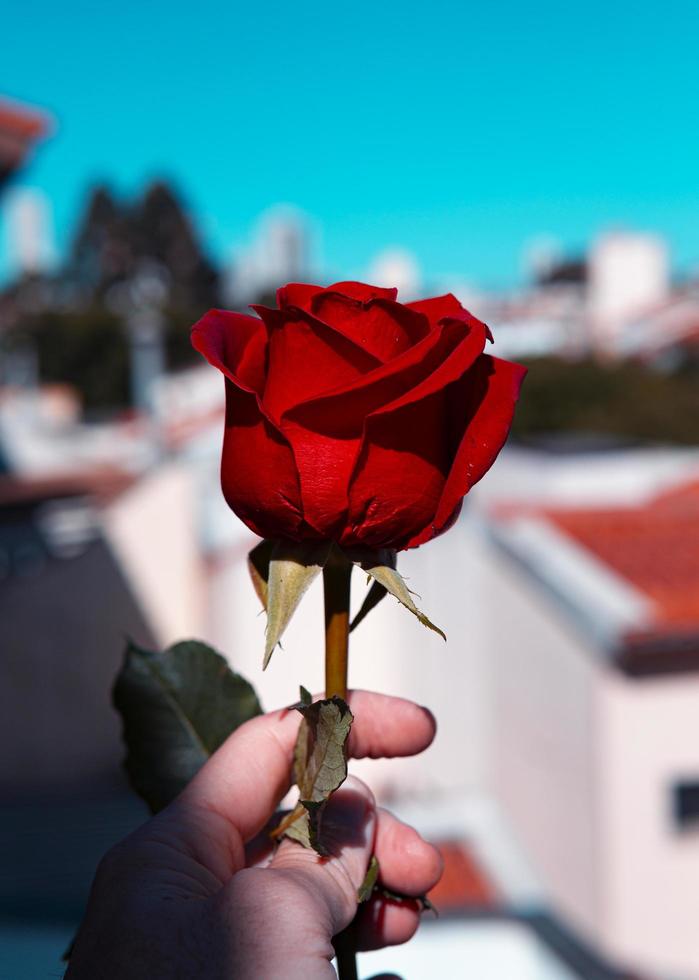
{"type": "Point", "coordinates": [353, 418]}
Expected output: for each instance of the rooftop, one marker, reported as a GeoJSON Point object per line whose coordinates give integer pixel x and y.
{"type": "Point", "coordinates": [629, 573]}
{"type": "Point", "coordinates": [20, 128]}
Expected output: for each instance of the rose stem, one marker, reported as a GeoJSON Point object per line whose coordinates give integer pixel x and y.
{"type": "Point", "coordinates": [336, 589]}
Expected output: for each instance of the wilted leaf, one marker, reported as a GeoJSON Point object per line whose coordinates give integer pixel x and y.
{"type": "Point", "coordinates": [292, 568]}
{"type": "Point", "coordinates": [366, 888]}
{"type": "Point", "coordinates": [422, 900]}
{"type": "Point", "coordinates": [177, 707]}
{"type": "Point", "coordinates": [382, 569]}
{"type": "Point", "coordinates": [320, 767]}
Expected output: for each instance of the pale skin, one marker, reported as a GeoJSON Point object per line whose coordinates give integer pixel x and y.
{"type": "Point", "coordinates": [197, 892]}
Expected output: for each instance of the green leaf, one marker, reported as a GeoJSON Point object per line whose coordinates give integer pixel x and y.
{"type": "Point", "coordinates": [292, 568]}
{"type": "Point", "coordinates": [177, 707]}
{"type": "Point", "coordinates": [367, 886]}
{"type": "Point", "coordinates": [320, 767]}
{"type": "Point", "coordinates": [381, 566]}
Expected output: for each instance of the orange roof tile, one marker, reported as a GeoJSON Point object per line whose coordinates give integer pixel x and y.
{"type": "Point", "coordinates": [463, 884]}
{"type": "Point", "coordinates": [19, 129]}
{"type": "Point", "coordinates": [655, 547]}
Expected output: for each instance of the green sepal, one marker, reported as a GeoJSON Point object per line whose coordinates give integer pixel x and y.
{"type": "Point", "coordinates": [281, 573]}
{"type": "Point", "coordinates": [381, 567]}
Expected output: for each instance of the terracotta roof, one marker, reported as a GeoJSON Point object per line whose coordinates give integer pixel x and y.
{"type": "Point", "coordinates": [650, 549]}
{"type": "Point", "coordinates": [20, 128]}
{"type": "Point", "coordinates": [655, 547]}
{"type": "Point", "coordinates": [464, 884]}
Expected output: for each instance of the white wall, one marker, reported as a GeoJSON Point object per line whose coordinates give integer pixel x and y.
{"type": "Point", "coordinates": [541, 699]}
{"type": "Point", "coordinates": [649, 740]}
{"type": "Point", "coordinates": [153, 532]}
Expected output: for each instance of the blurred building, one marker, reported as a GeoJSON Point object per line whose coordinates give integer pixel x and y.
{"type": "Point", "coordinates": [615, 302]}
{"type": "Point", "coordinates": [280, 252]}
{"type": "Point", "coordinates": [628, 277]}
{"type": "Point", "coordinates": [594, 680]}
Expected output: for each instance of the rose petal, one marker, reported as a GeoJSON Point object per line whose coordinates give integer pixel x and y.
{"type": "Point", "coordinates": [306, 357]}
{"type": "Point", "coordinates": [327, 432]}
{"type": "Point", "coordinates": [258, 471]}
{"type": "Point", "coordinates": [381, 326]}
{"type": "Point", "coordinates": [406, 455]}
{"type": "Point", "coordinates": [297, 294]}
{"type": "Point", "coordinates": [362, 291]}
{"type": "Point", "coordinates": [439, 307]}
{"type": "Point", "coordinates": [403, 465]}
{"type": "Point", "coordinates": [484, 401]}
{"type": "Point", "coordinates": [234, 343]}
{"type": "Point", "coordinates": [342, 411]}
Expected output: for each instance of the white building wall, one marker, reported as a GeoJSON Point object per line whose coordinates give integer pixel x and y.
{"type": "Point", "coordinates": [542, 693]}
{"type": "Point", "coordinates": [649, 740]}
{"type": "Point", "coordinates": [153, 531]}
{"type": "Point", "coordinates": [628, 275]}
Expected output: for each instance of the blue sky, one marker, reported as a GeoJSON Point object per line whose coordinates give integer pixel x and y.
{"type": "Point", "coordinates": [455, 130]}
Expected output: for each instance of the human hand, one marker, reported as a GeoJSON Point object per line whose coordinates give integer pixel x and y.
{"type": "Point", "coordinates": [196, 892]}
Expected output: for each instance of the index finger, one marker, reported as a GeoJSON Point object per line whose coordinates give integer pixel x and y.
{"type": "Point", "coordinates": [247, 777]}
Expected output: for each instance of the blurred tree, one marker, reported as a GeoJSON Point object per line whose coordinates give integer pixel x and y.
{"type": "Point", "coordinates": [86, 349]}
{"type": "Point", "coordinates": [74, 322]}
{"type": "Point", "coordinates": [114, 239]}
{"type": "Point", "coordinates": [626, 400]}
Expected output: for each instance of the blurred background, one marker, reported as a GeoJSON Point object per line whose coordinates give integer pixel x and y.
{"type": "Point", "coordinates": [540, 162]}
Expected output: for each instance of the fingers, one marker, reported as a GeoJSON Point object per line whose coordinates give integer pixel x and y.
{"type": "Point", "coordinates": [409, 865]}
{"type": "Point", "coordinates": [382, 922]}
{"type": "Point", "coordinates": [285, 915]}
{"type": "Point", "coordinates": [349, 826]}
{"type": "Point", "coordinates": [245, 779]}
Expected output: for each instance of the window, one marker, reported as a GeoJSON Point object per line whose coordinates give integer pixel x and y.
{"type": "Point", "coordinates": [685, 798]}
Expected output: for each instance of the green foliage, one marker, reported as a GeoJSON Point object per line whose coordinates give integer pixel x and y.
{"type": "Point", "coordinates": [87, 350]}
{"type": "Point", "coordinates": [177, 707]}
{"type": "Point", "coordinates": [320, 767]}
{"type": "Point", "coordinates": [625, 400]}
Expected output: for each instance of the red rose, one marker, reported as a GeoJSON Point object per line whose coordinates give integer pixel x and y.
{"type": "Point", "coordinates": [354, 418]}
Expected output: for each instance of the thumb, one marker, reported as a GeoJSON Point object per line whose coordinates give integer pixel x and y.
{"type": "Point", "coordinates": [348, 830]}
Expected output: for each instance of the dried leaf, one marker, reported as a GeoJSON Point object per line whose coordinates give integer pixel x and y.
{"type": "Point", "coordinates": [393, 896]}
{"type": "Point", "coordinates": [320, 767]}
{"type": "Point", "coordinates": [292, 568]}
